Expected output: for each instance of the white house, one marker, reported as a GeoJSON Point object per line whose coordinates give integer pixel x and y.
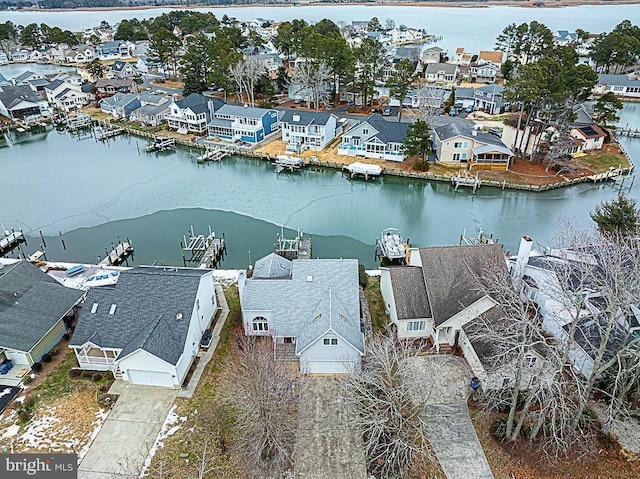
{"type": "Point", "coordinates": [441, 73]}
{"type": "Point", "coordinates": [115, 50]}
{"type": "Point", "coordinates": [624, 86]}
{"type": "Point", "coordinates": [307, 130]}
{"type": "Point", "coordinates": [81, 54]}
{"type": "Point", "coordinates": [376, 138]}
{"type": "Point", "coordinates": [120, 105]}
{"type": "Point", "coordinates": [591, 136]}
{"type": "Point", "coordinates": [152, 111]}
{"type": "Point", "coordinates": [148, 327]}
{"type": "Point", "coordinates": [122, 70]}
{"type": "Point", "coordinates": [35, 311]}
{"type": "Point", "coordinates": [191, 114]}
{"type": "Point", "coordinates": [67, 96]}
{"type": "Point", "coordinates": [309, 307]}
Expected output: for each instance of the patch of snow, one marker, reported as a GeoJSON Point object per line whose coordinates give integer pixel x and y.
{"type": "Point", "coordinates": [20, 399]}
{"type": "Point", "coordinates": [10, 431]}
{"type": "Point", "coordinates": [101, 416]}
{"type": "Point", "coordinates": [226, 276]}
{"type": "Point", "coordinates": [5, 392]}
{"type": "Point", "coordinates": [373, 272]}
{"type": "Point", "coordinates": [165, 431]}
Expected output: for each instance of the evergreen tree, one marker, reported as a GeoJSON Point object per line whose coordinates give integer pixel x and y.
{"type": "Point", "coordinates": [401, 80]}
{"type": "Point", "coordinates": [95, 68]}
{"type": "Point", "coordinates": [606, 109]}
{"type": "Point", "coordinates": [418, 139]}
{"type": "Point", "coordinates": [619, 216]}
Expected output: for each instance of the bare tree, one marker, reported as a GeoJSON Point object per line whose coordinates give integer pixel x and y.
{"type": "Point", "coordinates": [263, 395]}
{"type": "Point", "coordinates": [313, 79]}
{"type": "Point", "coordinates": [246, 74]}
{"type": "Point", "coordinates": [430, 103]}
{"type": "Point", "coordinates": [382, 399]}
{"type": "Point", "coordinates": [237, 73]}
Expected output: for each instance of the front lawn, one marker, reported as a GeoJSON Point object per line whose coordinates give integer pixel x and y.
{"type": "Point", "coordinates": [603, 161]}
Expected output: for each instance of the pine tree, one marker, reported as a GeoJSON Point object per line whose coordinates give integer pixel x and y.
{"type": "Point", "coordinates": [619, 216]}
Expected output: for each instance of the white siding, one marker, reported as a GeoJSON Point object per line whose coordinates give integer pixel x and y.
{"type": "Point", "coordinates": [447, 330]}
{"type": "Point", "coordinates": [19, 357]}
{"type": "Point", "coordinates": [142, 361]}
{"type": "Point", "coordinates": [387, 295]}
{"type": "Point", "coordinates": [319, 358]}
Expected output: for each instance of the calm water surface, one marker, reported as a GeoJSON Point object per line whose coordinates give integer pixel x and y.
{"type": "Point", "coordinates": [94, 193]}
{"type": "Point", "coordinates": [474, 28]}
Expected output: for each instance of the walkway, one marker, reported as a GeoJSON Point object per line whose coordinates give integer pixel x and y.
{"type": "Point", "coordinates": [326, 447]}
{"type": "Point", "coordinates": [448, 425]}
{"type": "Point", "coordinates": [123, 443]}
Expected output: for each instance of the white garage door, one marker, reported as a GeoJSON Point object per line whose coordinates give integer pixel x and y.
{"type": "Point", "coordinates": [329, 367]}
{"type": "Point", "coordinates": [150, 378]}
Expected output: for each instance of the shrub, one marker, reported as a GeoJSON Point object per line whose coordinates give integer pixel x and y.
{"type": "Point", "coordinates": [86, 374]}
{"type": "Point", "coordinates": [499, 429]}
{"type": "Point", "coordinates": [27, 379]}
{"type": "Point", "coordinates": [96, 377]}
{"type": "Point", "coordinates": [362, 276]}
{"type": "Point", "coordinates": [74, 373]}
{"type": "Point", "coordinates": [46, 358]}
{"type": "Point", "coordinates": [421, 165]}
{"type": "Point", "coordinates": [54, 351]}
{"type": "Point", "coordinates": [66, 336]}
{"type": "Point", "coordinates": [108, 375]}
{"type": "Point", "coordinates": [36, 366]}
{"type": "Point", "coordinates": [25, 411]}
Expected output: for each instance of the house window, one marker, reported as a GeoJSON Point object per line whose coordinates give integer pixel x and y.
{"type": "Point", "coordinates": [260, 324]}
{"type": "Point", "coordinates": [365, 131]}
{"type": "Point", "coordinates": [530, 361]}
{"type": "Point", "coordinates": [416, 325]}
{"type": "Point", "coordinates": [330, 341]}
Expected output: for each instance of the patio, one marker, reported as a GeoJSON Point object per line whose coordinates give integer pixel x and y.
{"type": "Point", "coordinates": [15, 375]}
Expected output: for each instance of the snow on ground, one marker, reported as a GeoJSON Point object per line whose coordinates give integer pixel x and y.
{"type": "Point", "coordinates": [101, 416]}
{"type": "Point", "coordinates": [169, 428]}
{"type": "Point", "coordinates": [226, 276]}
{"type": "Point", "coordinates": [11, 431]}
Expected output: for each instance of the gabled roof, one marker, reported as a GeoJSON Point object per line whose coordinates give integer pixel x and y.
{"type": "Point", "coordinates": [54, 84]}
{"type": "Point", "coordinates": [462, 92]}
{"type": "Point", "coordinates": [492, 89]}
{"type": "Point", "coordinates": [583, 116]}
{"type": "Point", "coordinates": [153, 308]}
{"type": "Point", "coordinates": [619, 80]}
{"type": "Point", "coordinates": [119, 99]}
{"type": "Point", "coordinates": [388, 131]}
{"type": "Point", "coordinates": [448, 68]}
{"type": "Point", "coordinates": [456, 127]}
{"type": "Point", "coordinates": [23, 76]}
{"type": "Point", "coordinates": [591, 131]}
{"type": "Point", "coordinates": [12, 96]}
{"type": "Point", "coordinates": [491, 56]}
{"type": "Point", "coordinates": [479, 150]}
{"type": "Point", "coordinates": [301, 117]}
{"type": "Point", "coordinates": [409, 292]}
{"type": "Point", "coordinates": [31, 303]}
{"type": "Point", "coordinates": [153, 109]}
{"type": "Point", "coordinates": [117, 82]}
{"type": "Point", "coordinates": [196, 102]}
{"type": "Point", "coordinates": [272, 266]}
{"type": "Point", "coordinates": [450, 275]}
{"type": "Point", "coordinates": [243, 112]}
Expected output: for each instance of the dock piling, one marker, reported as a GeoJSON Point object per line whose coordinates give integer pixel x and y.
{"type": "Point", "coordinates": [64, 246]}
{"type": "Point", "coordinates": [42, 238]}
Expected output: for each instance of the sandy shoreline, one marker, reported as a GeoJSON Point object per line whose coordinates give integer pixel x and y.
{"type": "Point", "coordinates": [462, 4]}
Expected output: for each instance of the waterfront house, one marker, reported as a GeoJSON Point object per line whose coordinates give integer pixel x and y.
{"type": "Point", "coordinates": [67, 96]}
{"type": "Point", "coordinates": [307, 130]}
{"type": "Point", "coordinates": [591, 136]}
{"type": "Point", "coordinates": [376, 138]}
{"type": "Point", "coordinates": [35, 312]}
{"type": "Point", "coordinates": [309, 307]}
{"type": "Point", "coordinates": [461, 57]}
{"type": "Point", "coordinates": [494, 57]}
{"type": "Point", "coordinates": [20, 56]}
{"type": "Point", "coordinates": [190, 115]}
{"type": "Point", "coordinates": [441, 73]}
{"type": "Point", "coordinates": [80, 54]}
{"type": "Point", "coordinates": [106, 87]}
{"type": "Point", "coordinates": [20, 102]}
{"type": "Point", "coordinates": [122, 70]}
{"type": "Point", "coordinates": [34, 80]}
{"type": "Point", "coordinates": [248, 124]}
{"type": "Point", "coordinates": [486, 72]}
{"type": "Point", "coordinates": [433, 55]}
{"type": "Point", "coordinates": [623, 86]}
{"type": "Point", "coordinates": [461, 143]}
{"type": "Point", "coordinates": [115, 49]}
{"type": "Point", "coordinates": [152, 111]}
{"type": "Point", "coordinates": [120, 105]}
{"type": "Point", "coordinates": [147, 328]}
{"type": "Point", "coordinates": [489, 98]}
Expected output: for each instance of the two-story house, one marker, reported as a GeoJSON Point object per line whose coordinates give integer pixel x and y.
{"type": "Point", "coordinates": [190, 115]}
{"type": "Point", "coordinates": [248, 124]}
{"type": "Point", "coordinates": [110, 86]}
{"type": "Point", "coordinates": [376, 138]}
{"type": "Point", "coordinates": [489, 98]}
{"type": "Point", "coordinates": [309, 307]}
{"type": "Point", "coordinates": [623, 86]}
{"type": "Point", "coordinates": [433, 55]}
{"type": "Point", "coordinates": [120, 105]}
{"type": "Point", "coordinates": [152, 111]}
{"type": "Point", "coordinates": [441, 73]}
{"type": "Point", "coordinates": [20, 102]}
{"type": "Point", "coordinates": [307, 130]}
{"type": "Point", "coordinates": [461, 143]}
{"type": "Point", "coordinates": [122, 70]}
{"type": "Point", "coordinates": [115, 49]}
{"type": "Point", "coordinates": [80, 54]}
{"type": "Point", "coordinates": [67, 96]}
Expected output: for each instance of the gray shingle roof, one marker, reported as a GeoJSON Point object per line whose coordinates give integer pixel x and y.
{"type": "Point", "coordinates": [388, 131]}
{"type": "Point", "coordinates": [23, 76]}
{"type": "Point", "coordinates": [248, 112]}
{"type": "Point", "coordinates": [196, 102]}
{"type": "Point", "coordinates": [296, 300]}
{"type": "Point", "coordinates": [447, 68]}
{"type": "Point", "coordinates": [119, 99]}
{"type": "Point", "coordinates": [492, 89]}
{"type": "Point", "coordinates": [272, 266]}
{"type": "Point", "coordinates": [306, 117]}
{"type": "Point", "coordinates": [620, 80]}
{"type": "Point", "coordinates": [450, 276]}
{"type": "Point", "coordinates": [409, 292]}
{"type": "Point", "coordinates": [31, 303]}
{"type": "Point", "coordinates": [458, 127]}
{"type": "Point", "coordinates": [12, 96]}
{"type": "Point", "coordinates": [54, 84]}
{"type": "Point", "coordinates": [147, 301]}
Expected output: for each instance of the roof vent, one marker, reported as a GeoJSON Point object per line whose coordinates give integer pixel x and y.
{"type": "Point", "coordinates": [178, 316]}
{"type": "Point", "coordinates": [317, 318]}
{"type": "Point", "coordinates": [94, 308]}
{"type": "Point", "coordinates": [112, 310]}
{"type": "Point", "coordinates": [309, 279]}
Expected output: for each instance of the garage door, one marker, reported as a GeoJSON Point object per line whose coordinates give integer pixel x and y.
{"type": "Point", "coordinates": [328, 367]}
{"type": "Point", "coordinates": [150, 378]}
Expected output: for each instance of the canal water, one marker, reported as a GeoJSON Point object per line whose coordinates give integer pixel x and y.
{"type": "Point", "coordinates": [94, 193]}
{"type": "Point", "coordinates": [474, 28]}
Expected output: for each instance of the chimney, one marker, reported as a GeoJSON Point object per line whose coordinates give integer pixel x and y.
{"type": "Point", "coordinates": [474, 132]}
{"type": "Point", "coordinates": [296, 118]}
{"type": "Point", "coordinates": [524, 251]}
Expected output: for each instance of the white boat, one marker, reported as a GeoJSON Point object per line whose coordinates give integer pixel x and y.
{"type": "Point", "coordinates": [392, 245]}
{"type": "Point", "coordinates": [364, 169]}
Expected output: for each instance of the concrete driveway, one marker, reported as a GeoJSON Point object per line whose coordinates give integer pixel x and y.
{"type": "Point", "coordinates": [326, 447]}
{"type": "Point", "coordinates": [123, 443]}
{"type": "Point", "coordinates": [441, 384]}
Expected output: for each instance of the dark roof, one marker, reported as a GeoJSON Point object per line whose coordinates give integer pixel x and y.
{"type": "Point", "coordinates": [592, 131]}
{"type": "Point", "coordinates": [458, 127]}
{"type": "Point", "coordinates": [196, 102]}
{"type": "Point", "coordinates": [12, 96]}
{"type": "Point", "coordinates": [306, 117]}
{"type": "Point", "coordinates": [147, 301]}
{"type": "Point", "coordinates": [485, 350]}
{"type": "Point", "coordinates": [54, 84]}
{"type": "Point", "coordinates": [409, 292]}
{"type": "Point", "coordinates": [450, 275]}
{"type": "Point", "coordinates": [31, 303]}
{"type": "Point", "coordinates": [388, 131]}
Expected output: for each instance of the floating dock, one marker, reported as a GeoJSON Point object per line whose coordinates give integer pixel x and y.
{"type": "Point", "coordinates": [118, 255]}
{"type": "Point", "coordinates": [205, 251]}
{"type": "Point", "coordinates": [287, 162]}
{"type": "Point", "coordinates": [212, 154]}
{"type": "Point", "coordinates": [161, 144]}
{"type": "Point", "coordinates": [11, 240]}
{"type": "Point", "coordinates": [76, 122]}
{"type": "Point", "coordinates": [477, 240]}
{"type": "Point", "coordinates": [103, 134]}
{"type": "Point", "coordinates": [297, 248]}
{"type": "Point", "coordinates": [366, 170]}
{"type": "Point", "coordinates": [463, 179]}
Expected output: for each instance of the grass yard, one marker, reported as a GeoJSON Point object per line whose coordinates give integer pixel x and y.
{"type": "Point", "coordinates": [377, 307]}
{"type": "Point", "coordinates": [603, 161]}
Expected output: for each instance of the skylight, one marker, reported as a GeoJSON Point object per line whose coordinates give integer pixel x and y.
{"type": "Point", "coordinates": [94, 308]}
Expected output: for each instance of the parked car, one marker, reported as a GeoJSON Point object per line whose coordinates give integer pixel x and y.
{"type": "Point", "coordinates": [386, 111]}
{"type": "Point", "coordinates": [495, 131]}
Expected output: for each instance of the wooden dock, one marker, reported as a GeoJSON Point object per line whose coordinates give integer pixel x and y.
{"type": "Point", "coordinates": [118, 255]}
{"type": "Point", "coordinates": [463, 179]}
{"type": "Point", "coordinates": [630, 132]}
{"type": "Point", "coordinates": [286, 162]}
{"type": "Point", "coordinates": [213, 154]}
{"type": "Point", "coordinates": [204, 251]}
{"type": "Point", "coordinates": [161, 144]}
{"type": "Point", "coordinates": [103, 134]}
{"type": "Point", "coordinates": [297, 248]}
{"type": "Point", "coordinates": [11, 240]}
{"type": "Point", "coordinates": [76, 122]}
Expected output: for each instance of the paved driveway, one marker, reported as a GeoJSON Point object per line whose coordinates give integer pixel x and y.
{"type": "Point", "coordinates": [128, 433]}
{"type": "Point", "coordinates": [326, 446]}
{"type": "Point", "coordinates": [441, 383]}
